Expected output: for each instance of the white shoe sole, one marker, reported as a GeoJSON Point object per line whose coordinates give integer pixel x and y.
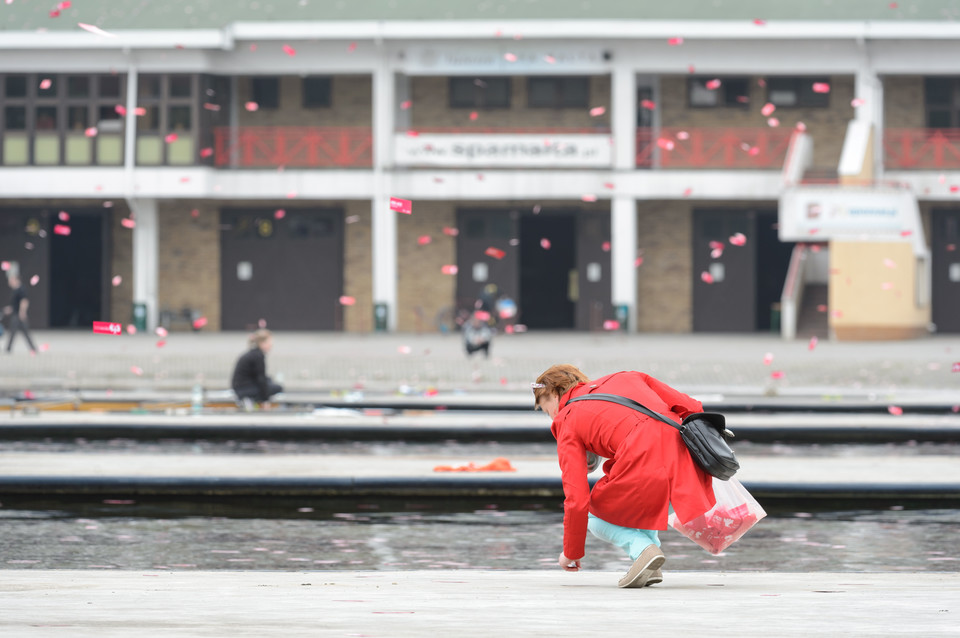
{"type": "Point", "coordinates": [644, 568]}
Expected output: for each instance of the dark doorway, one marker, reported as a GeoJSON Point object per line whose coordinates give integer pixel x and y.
{"type": "Point", "coordinates": [548, 260]}
{"type": "Point", "coordinates": [287, 271]}
{"type": "Point", "coordinates": [773, 260]}
{"type": "Point", "coordinates": [945, 248]}
{"type": "Point", "coordinates": [76, 272]}
{"type": "Point", "coordinates": [486, 256]}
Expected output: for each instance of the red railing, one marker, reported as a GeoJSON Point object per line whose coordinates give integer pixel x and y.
{"type": "Point", "coordinates": [689, 147]}
{"type": "Point", "coordinates": [921, 148]}
{"type": "Point", "coordinates": [294, 146]}
{"type": "Point", "coordinates": [507, 130]}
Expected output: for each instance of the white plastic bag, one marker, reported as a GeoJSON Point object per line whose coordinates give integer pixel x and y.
{"type": "Point", "coordinates": [734, 514]}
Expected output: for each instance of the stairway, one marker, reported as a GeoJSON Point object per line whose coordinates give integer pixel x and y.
{"type": "Point", "coordinates": [811, 321]}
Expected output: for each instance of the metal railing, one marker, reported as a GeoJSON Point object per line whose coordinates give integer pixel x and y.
{"type": "Point", "coordinates": [293, 146]}
{"type": "Point", "coordinates": [921, 148]}
{"type": "Point", "coordinates": [713, 148]}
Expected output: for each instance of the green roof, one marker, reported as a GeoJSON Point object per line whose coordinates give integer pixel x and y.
{"type": "Point", "coordinates": [31, 15]}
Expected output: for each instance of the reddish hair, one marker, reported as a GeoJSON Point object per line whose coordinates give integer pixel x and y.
{"type": "Point", "coordinates": [557, 380]}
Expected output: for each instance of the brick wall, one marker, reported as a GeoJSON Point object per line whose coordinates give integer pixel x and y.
{"type": "Point", "coordinates": [121, 263]}
{"type": "Point", "coordinates": [903, 102]}
{"type": "Point", "coordinates": [431, 107]}
{"type": "Point", "coordinates": [827, 126]}
{"type": "Point", "coordinates": [665, 278]}
{"type": "Point", "coordinates": [351, 104]}
{"type": "Point", "coordinates": [358, 266]}
{"type": "Point", "coordinates": [422, 289]}
{"type": "Point", "coordinates": [189, 259]}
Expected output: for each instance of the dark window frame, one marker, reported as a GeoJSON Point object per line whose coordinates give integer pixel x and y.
{"type": "Point", "coordinates": [564, 95]}
{"type": "Point", "coordinates": [950, 108]}
{"type": "Point", "coordinates": [325, 84]}
{"type": "Point", "coordinates": [727, 93]}
{"type": "Point", "coordinates": [480, 96]}
{"type": "Point", "coordinates": [803, 86]}
{"type": "Point", "coordinates": [257, 94]}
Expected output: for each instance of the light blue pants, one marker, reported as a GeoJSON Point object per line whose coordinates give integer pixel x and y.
{"type": "Point", "coordinates": [632, 541]}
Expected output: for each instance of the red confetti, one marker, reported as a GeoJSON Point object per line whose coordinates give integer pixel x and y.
{"type": "Point", "coordinates": [449, 269]}
{"type": "Point", "coordinates": [4, 266]}
{"type": "Point", "coordinates": [759, 22]}
{"type": "Point", "coordinates": [351, 47]}
{"type": "Point", "coordinates": [289, 50]}
{"type": "Point", "coordinates": [140, 111]}
{"type": "Point", "coordinates": [60, 229]}
{"type": "Point", "coordinates": [171, 138]}
{"type": "Point", "coordinates": [117, 280]}
{"type": "Point", "coordinates": [292, 195]}
{"type": "Point", "coordinates": [650, 105]}
{"type": "Point", "coordinates": [605, 246]}
{"type": "Point", "coordinates": [121, 110]}
{"type": "Point", "coordinates": [713, 84]}
{"type": "Point", "coordinates": [64, 216]}
{"type": "Point", "coordinates": [126, 222]}
{"type": "Point", "coordinates": [597, 111]}
{"type": "Point", "coordinates": [496, 253]}
{"type": "Point", "coordinates": [131, 329]}
{"type": "Point", "coordinates": [767, 358]}
{"type": "Point", "coordinates": [776, 374]}
{"type": "Point", "coordinates": [549, 59]}
{"type": "Point", "coordinates": [638, 262]}
{"type": "Point", "coordinates": [773, 122]}
{"type": "Point", "coordinates": [161, 331]}
{"type": "Point", "coordinates": [45, 84]}
{"type": "Point", "coordinates": [895, 410]}
{"type": "Point", "coordinates": [423, 240]}
{"type": "Point", "coordinates": [889, 263]}
{"type": "Point", "coordinates": [675, 42]}
{"type": "Point", "coordinates": [821, 87]}
{"type": "Point", "coordinates": [347, 300]}
{"type": "Point", "coordinates": [609, 185]}
{"type": "Point", "coordinates": [906, 233]}
{"type": "Point", "coordinates": [452, 232]}
{"type": "Point", "coordinates": [837, 314]}
{"type": "Point", "coordinates": [161, 343]}
{"type": "Point", "coordinates": [195, 213]}
{"type": "Point", "coordinates": [279, 213]}
{"type": "Point", "coordinates": [738, 239]}
{"type": "Point", "coordinates": [665, 144]}
{"type": "Point", "coordinates": [199, 323]}
{"type": "Point", "coordinates": [857, 101]}
{"type": "Point", "coordinates": [211, 107]}
{"type": "Point", "coordinates": [136, 370]}
{"type": "Point", "coordinates": [768, 109]}
{"type": "Point", "coordinates": [482, 315]}
{"type": "Point", "coordinates": [107, 328]}
{"type": "Point", "coordinates": [687, 192]}
{"type": "Point", "coordinates": [510, 57]}
{"type": "Point", "coordinates": [206, 152]}
{"type": "Point", "coordinates": [611, 324]}
{"type": "Point", "coordinates": [545, 243]}
{"type": "Point", "coordinates": [706, 277]}
{"type": "Point", "coordinates": [251, 106]}
{"type": "Point", "coordinates": [822, 307]}
{"type": "Point", "coordinates": [955, 367]}
{"type": "Point", "coordinates": [813, 343]}
{"type": "Point", "coordinates": [406, 104]}
{"type": "Point", "coordinates": [413, 133]}
{"type": "Point", "coordinates": [474, 115]}
{"type": "Point", "coordinates": [91, 131]}
{"type": "Point", "coordinates": [35, 280]}
{"type": "Point", "coordinates": [588, 198]}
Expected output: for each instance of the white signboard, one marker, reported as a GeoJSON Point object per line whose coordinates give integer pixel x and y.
{"type": "Point", "coordinates": [505, 58]}
{"type": "Point", "coordinates": [495, 150]}
{"type": "Point", "coordinates": [815, 214]}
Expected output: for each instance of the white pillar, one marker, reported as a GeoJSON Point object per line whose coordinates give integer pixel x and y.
{"type": "Point", "coordinates": [146, 256]}
{"type": "Point", "coordinates": [623, 222]}
{"type": "Point", "coordinates": [383, 219]}
{"type": "Point", "coordinates": [623, 253]}
{"type": "Point", "coordinates": [130, 130]}
{"type": "Point", "coordinates": [869, 88]}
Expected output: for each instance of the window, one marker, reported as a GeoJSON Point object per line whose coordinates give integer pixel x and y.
{"type": "Point", "coordinates": [558, 92]}
{"type": "Point", "coordinates": [47, 86]}
{"type": "Point", "coordinates": [148, 87]}
{"type": "Point", "coordinates": [178, 118]}
{"type": "Point", "coordinates": [16, 86]}
{"type": "Point", "coordinates": [181, 86]}
{"type": "Point", "coordinates": [78, 86]}
{"type": "Point", "coordinates": [316, 92]}
{"type": "Point", "coordinates": [46, 118]}
{"type": "Point", "coordinates": [15, 118]}
{"type": "Point", "coordinates": [797, 92]}
{"type": "Point", "coordinates": [479, 93]}
{"type": "Point", "coordinates": [941, 98]}
{"type": "Point", "coordinates": [703, 92]}
{"type": "Point", "coordinates": [77, 118]}
{"type": "Point", "coordinates": [266, 92]}
{"type": "Point", "coordinates": [109, 86]}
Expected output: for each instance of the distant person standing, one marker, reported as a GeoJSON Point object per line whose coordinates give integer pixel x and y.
{"type": "Point", "coordinates": [250, 381]}
{"type": "Point", "coordinates": [18, 313]}
{"type": "Point", "coordinates": [477, 334]}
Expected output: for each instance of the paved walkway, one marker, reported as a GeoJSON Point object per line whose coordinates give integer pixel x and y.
{"type": "Point", "coordinates": [101, 604]}
{"type": "Point", "coordinates": [407, 363]}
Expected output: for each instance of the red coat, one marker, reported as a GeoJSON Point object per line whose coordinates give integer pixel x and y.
{"type": "Point", "coordinates": [649, 466]}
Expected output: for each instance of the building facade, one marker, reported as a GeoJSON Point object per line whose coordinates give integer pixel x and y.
{"type": "Point", "coordinates": [622, 167]}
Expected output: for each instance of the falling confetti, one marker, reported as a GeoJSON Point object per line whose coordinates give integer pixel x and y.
{"type": "Point", "coordinates": [452, 232]}
{"type": "Point", "coordinates": [510, 57]}
{"type": "Point", "coordinates": [545, 243]}
{"type": "Point", "coordinates": [768, 358]}
{"type": "Point", "coordinates": [131, 329]}
{"type": "Point", "coordinates": [251, 106]}
{"type": "Point", "coordinates": [199, 323]}
{"type": "Point", "coordinates": [289, 50]}
{"type": "Point", "coordinates": [136, 370]}
{"type": "Point", "coordinates": [126, 222]}
{"type": "Point", "coordinates": [45, 84]}
{"type": "Point", "coordinates": [773, 122]}
{"type": "Point", "coordinates": [117, 280]}
{"type": "Point", "coordinates": [161, 331]}
{"type": "Point", "coordinates": [588, 198]}
{"type": "Point", "coordinates": [401, 205]}
{"type": "Point", "coordinates": [706, 277]}
{"type": "Point", "coordinates": [675, 42]}
{"type": "Point", "coordinates": [60, 229]}
{"type": "Point", "coordinates": [347, 301]}
{"type": "Point", "coordinates": [91, 131]}
{"type": "Point", "coordinates": [496, 253]}
{"type": "Point", "coordinates": [35, 280]}
{"type": "Point", "coordinates": [549, 59]}
{"type": "Point", "coordinates": [713, 85]}
{"type": "Point", "coordinates": [598, 111]}
{"type": "Point", "coordinates": [161, 343]}
{"type": "Point", "coordinates": [955, 367]}
{"type": "Point", "coordinates": [650, 105]}
{"type": "Point", "coordinates": [63, 216]}
{"type": "Point", "coordinates": [895, 410]}
{"type": "Point", "coordinates": [813, 343]}
{"type": "Point", "coordinates": [638, 262]}
{"type": "Point", "coordinates": [605, 246]}
{"type": "Point", "coordinates": [423, 240]}
{"type": "Point", "coordinates": [821, 87]}
{"type": "Point", "coordinates": [351, 47]}
{"type": "Point", "coordinates": [611, 324]}
{"type": "Point", "coordinates": [95, 30]}
{"type": "Point", "coordinates": [665, 144]}
{"type": "Point", "coordinates": [889, 263]}
{"type": "Point", "coordinates": [768, 109]}
{"type": "Point", "coordinates": [449, 269]}
{"type": "Point", "coordinates": [206, 152]}
{"type": "Point", "coordinates": [857, 101]}
{"type": "Point", "coordinates": [738, 239]}
{"type": "Point", "coordinates": [279, 213]}
{"type": "Point", "coordinates": [171, 138]}
{"type": "Point", "coordinates": [822, 307]}
{"type": "Point", "coordinates": [759, 22]}
{"type": "Point", "coordinates": [406, 104]}
{"type": "Point", "coordinates": [776, 374]}
{"type": "Point", "coordinates": [474, 115]}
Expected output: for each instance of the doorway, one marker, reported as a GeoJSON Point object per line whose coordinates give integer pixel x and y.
{"type": "Point", "coordinates": [945, 249]}
{"type": "Point", "coordinates": [548, 271]}
{"type": "Point", "coordinates": [76, 272]}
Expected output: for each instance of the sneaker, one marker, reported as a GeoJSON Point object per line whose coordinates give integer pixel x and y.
{"type": "Point", "coordinates": [655, 579]}
{"type": "Point", "coordinates": [644, 569]}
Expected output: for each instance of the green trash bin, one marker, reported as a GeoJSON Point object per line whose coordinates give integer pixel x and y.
{"type": "Point", "coordinates": [140, 317]}
{"type": "Point", "coordinates": [380, 317]}
{"type": "Point", "coordinates": [775, 315]}
{"type": "Point", "coordinates": [622, 313]}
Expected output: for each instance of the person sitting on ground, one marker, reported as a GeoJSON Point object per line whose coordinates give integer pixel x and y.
{"type": "Point", "coordinates": [250, 381]}
{"type": "Point", "coordinates": [648, 469]}
{"type": "Point", "coordinates": [477, 333]}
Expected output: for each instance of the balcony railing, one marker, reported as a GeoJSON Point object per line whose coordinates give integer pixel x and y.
{"type": "Point", "coordinates": [294, 147]}
{"type": "Point", "coordinates": [713, 148]}
{"type": "Point", "coordinates": [921, 148]}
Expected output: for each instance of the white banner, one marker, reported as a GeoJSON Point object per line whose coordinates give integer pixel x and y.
{"type": "Point", "coordinates": [505, 58]}
{"type": "Point", "coordinates": [498, 150]}
{"type": "Point", "coordinates": [821, 214]}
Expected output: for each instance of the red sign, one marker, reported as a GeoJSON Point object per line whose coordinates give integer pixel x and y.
{"type": "Point", "coordinates": [401, 205]}
{"type": "Point", "coordinates": [107, 328]}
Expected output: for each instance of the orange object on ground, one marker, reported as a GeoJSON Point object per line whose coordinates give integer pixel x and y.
{"type": "Point", "coordinates": [498, 464]}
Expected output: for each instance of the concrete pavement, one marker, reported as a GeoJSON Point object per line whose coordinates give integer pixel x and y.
{"type": "Point", "coordinates": [103, 604]}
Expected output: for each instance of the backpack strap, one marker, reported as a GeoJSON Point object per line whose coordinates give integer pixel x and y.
{"type": "Point", "coordinates": [626, 402]}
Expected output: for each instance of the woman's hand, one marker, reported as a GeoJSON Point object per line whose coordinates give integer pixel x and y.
{"type": "Point", "coordinates": [569, 565]}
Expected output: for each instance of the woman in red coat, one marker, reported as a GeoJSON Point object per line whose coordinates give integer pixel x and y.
{"type": "Point", "coordinates": [648, 468]}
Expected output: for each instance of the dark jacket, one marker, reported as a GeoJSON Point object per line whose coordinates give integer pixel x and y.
{"type": "Point", "coordinates": [251, 371]}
